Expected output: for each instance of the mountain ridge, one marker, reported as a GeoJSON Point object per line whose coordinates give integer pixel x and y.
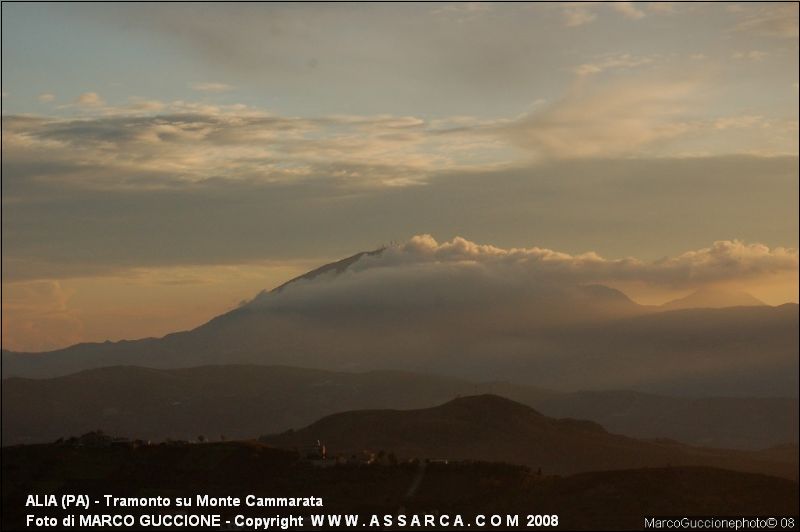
{"type": "Point", "coordinates": [241, 401]}
{"type": "Point", "coordinates": [496, 429]}
{"type": "Point", "coordinates": [581, 336]}
{"type": "Point", "coordinates": [713, 298]}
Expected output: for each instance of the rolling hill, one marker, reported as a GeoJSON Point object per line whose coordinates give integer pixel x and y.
{"type": "Point", "coordinates": [495, 429]}
{"type": "Point", "coordinates": [242, 401]}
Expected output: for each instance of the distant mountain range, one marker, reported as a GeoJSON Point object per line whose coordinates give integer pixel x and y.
{"type": "Point", "coordinates": [714, 298]}
{"type": "Point", "coordinates": [495, 429]}
{"type": "Point", "coordinates": [243, 401]}
{"type": "Point", "coordinates": [550, 334]}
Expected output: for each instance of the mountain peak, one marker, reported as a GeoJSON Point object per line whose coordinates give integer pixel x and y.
{"type": "Point", "coordinates": [714, 298]}
{"type": "Point", "coordinates": [334, 267]}
{"type": "Point", "coordinates": [488, 403]}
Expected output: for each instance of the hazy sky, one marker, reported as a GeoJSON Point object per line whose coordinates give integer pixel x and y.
{"type": "Point", "coordinates": [163, 162]}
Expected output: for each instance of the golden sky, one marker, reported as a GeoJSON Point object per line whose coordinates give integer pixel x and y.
{"type": "Point", "coordinates": [208, 154]}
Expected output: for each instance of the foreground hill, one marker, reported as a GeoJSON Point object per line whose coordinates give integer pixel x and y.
{"type": "Point", "coordinates": [614, 500]}
{"type": "Point", "coordinates": [244, 401]}
{"type": "Point", "coordinates": [455, 319]}
{"type": "Point", "coordinates": [496, 429]}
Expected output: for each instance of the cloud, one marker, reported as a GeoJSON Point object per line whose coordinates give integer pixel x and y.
{"type": "Point", "coordinates": [211, 87]}
{"type": "Point", "coordinates": [662, 7]}
{"type": "Point", "coordinates": [130, 217]}
{"type": "Point", "coordinates": [577, 15]}
{"type": "Point", "coordinates": [606, 120]}
{"type": "Point", "coordinates": [656, 111]}
{"type": "Point", "coordinates": [619, 61]}
{"type": "Point", "coordinates": [39, 314]}
{"type": "Point", "coordinates": [470, 7]}
{"type": "Point", "coordinates": [613, 108]}
{"type": "Point", "coordinates": [628, 9]}
{"type": "Point", "coordinates": [744, 121]}
{"type": "Point", "coordinates": [191, 143]}
{"type": "Point", "coordinates": [46, 97]}
{"type": "Point", "coordinates": [515, 313]}
{"type": "Point", "coordinates": [142, 105]}
{"type": "Point", "coordinates": [463, 11]}
{"type": "Point", "coordinates": [89, 99]}
{"type": "Point", "coordinates": [483, 310]}
{"type": "Point", "coordinates": [752, 55]}
{"type": "Point", "coordinates": [150, 144]}
{"type": "Point", "coordinates": [520, 283]}
{"type": "Point", "coordinates": [725, 260]}
{"type": "Point", "coordinates": [769, 20]}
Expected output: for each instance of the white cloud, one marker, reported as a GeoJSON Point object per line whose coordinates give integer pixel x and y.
{"type": "Point", "coordinates": [188, 142]}
{"type": "Point", "coordinates": [89, 99]}
{"type": "Point", "coordinates": [767, 19]}
{"type": "Point", "coordinates": [140, 104]}
{"type": "Point", "coordinates": [725, 260]}
{"type": "Point", "coordinates": [752, 55]}
{"type": "Point", "coordinates": [628, 9]}
{"type": "Point", "coordinates": [577, 15]}
{"type": "Point", "coordinates": [606, 120]}
{"type": "Point", "coordinates": [662, 7]}
{"type": "Point", "coordinates": [464, 9]}
{"type": "Point", "coordinates": [743, 121]}
{"type": "Point", "coordinates": [529, 313]}
{"type": "Point", "coordinates": [193, 142]}
{"type": "Point", "coordinates": [211, 87]}
{"type": "Point", "coordinates": [46, 97]}
{"type": "Point", "coordinates": [427, 274]}
{"type": "Point", "coordinates": [612, 62]}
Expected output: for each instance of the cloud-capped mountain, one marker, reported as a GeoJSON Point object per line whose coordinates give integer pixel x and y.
{"type": "Point", "coordinates": [530, 315]}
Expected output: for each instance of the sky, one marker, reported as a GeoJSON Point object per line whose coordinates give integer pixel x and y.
{"type": "Point", "coordinates": [164, 162]}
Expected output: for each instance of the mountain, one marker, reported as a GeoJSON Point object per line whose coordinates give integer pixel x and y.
{"type": "Point", "coordinates": [727, 422]}
{"type": "Point", "coordinates": [735, 351]}
{"type": "Point", "coordinates": [464, 322]}
{"type": "Point", "coordinates": [713, 298]}
{"type": "Point", "coordinates": [332, 269]}
{"type": "Point", "coordinates": [495, 429]}
{"type": "Point", "coordinates": [242, 401]}
{"type": "Point", "coordinates": [604, 500]}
